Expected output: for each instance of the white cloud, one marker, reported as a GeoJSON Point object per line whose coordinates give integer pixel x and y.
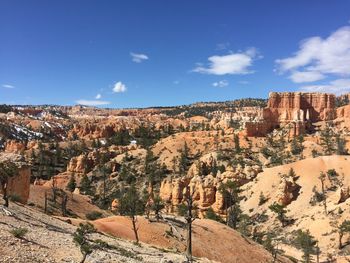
{"type": "Point", "coordinates": [92, 102]}
{"type": "Point", "coordinates": [119, 87]}
{"type": "Point", "coordinates": [306, 76]}
{"type": "Point", "coordinates": [319, 57]}
{"type": "Point", "coordinates": [98, 96]}
{"type": "Point", "coordinates": [236, 63]}
{"type": "Point", "coordinates": [337, 87]}
{"type": "Point", "coordinates": [243, 82]}
{"type": "Point", "coordinates": [7, 86]}
{"type": "Point", "coordinates": [138, 58]}
{"type": "Point", "coordinates": [222, 46]}
{"type": "Point", "coordinates": [220, 84]}
{"type": "Point", "coordinates": [176, 82]}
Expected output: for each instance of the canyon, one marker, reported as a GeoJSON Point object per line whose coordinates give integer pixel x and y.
{"type": "Point", "coordinates": [173, 151]}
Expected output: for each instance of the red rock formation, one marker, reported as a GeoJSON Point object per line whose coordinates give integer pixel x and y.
{"type": "Point", "coordinates": [92, 130]}
{"type": "Point", "coordinates": [13, 146]}
{"type": "Point", "coordinates": [19, 184]}
{"type": "Point", "coordinates": [296, 108]}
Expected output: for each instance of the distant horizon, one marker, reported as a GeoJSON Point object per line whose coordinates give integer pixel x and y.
{"type": "Point", "coordinates": [137, 54]}
{"type": "Point", "coordinates": [169, 106]}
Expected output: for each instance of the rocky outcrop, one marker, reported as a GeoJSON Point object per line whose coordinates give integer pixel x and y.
{"type": "Point", "coordinates": [92, 130]}
{"type": "Point", "coordinates": [13, 146]}
{"type": "Point", "coordinates": [297, 109]}
{"type": "Point", "coordinates": [86, 162]}
{"type": "Point", "coordinates": [19, 184]}
{"type": "Point", "coordinates": [299, 106]}
{"type": "Point", "coordinates": [204, 189]}
{"type": "Point", "coordinates": [288, 191]}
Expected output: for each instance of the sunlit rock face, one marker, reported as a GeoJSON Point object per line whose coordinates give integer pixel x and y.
{"type": "Point", "coordinates": [296, 109]}
{"type": "Point", "coordinates": [19, 184]}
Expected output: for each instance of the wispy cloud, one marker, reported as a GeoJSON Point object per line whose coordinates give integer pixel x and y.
{"type": "Point", "coordinates": [220, 84]}
{"type": "Point", "coordinates": [92, 102]}
{"type": "Point", "coordinates": [7, 86]}
{"type": "Point", "coordinates": [306, 76]}
{"type": "Point", "coordinates": [319, 58]}
{"type": "Point", "coordinates": [98, 96]}
{"type": "Point", "coordinates": [337, 87]}
{"type": "Point", "coordinates": [222, 46]}
{"type": "Point", "coordinates": [233, 64]}
{"type": "Point", "coordinates": [138, 57]}
{"type": "Point", "coordinates": [119, 87]}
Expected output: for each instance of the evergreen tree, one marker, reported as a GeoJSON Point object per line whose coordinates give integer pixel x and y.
{"type": "Point", "coordinates": [343, 228]}
{"type": "Point", "coordinates": [230, 191]}
{"type": "Point", "coordinates": [237, 144]}
{"type": "Point", "coordinates": [80, 238]}
{"type": "Point", "coordinates": [297, 145]}
{"type": "Point", "coordinates": [7, 170]}
{"type": "Point", "coordinates": [85, 185]}
{"type": "Point", "coordinates": [341, 145]}
{"type": "Point", "coordinates": [210, 214]}
{"type": "Point", "coordinates": [322, 179]}
{"type": "Point", "coordinates": [72, 184]}
{"type": "Point", "coordinates": [131, 205]}
{"type": "Point", "coordinates": [307, 243]}
{"type": "Point", "coordinates": [157, 206]}
{"type": "Point", "coordinates": [280, 211]}
{"type": "Point", "coordinates": [327, 142]}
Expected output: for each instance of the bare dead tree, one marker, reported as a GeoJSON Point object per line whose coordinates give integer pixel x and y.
{"type": "Point", "coordinates": [322, 178]}
{"type": "Point", "coordinates": [189, 220]}
{"type": "Point", "coordinates": [64, 203]}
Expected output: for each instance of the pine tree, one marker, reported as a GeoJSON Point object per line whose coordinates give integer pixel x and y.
{"type": "Point", "coordinates": [307, 243]}
{"type": "Point", "coordinates": [322, 178]}
{"type": "Point", "coordinates": [343, 228]}
{"type": "Point", "coordinates": [7, 170]}
{"type": "Point", "coordinates": [230, 191]}
{"type": "Point", "coordinates": [280, 211]}
{"type": "Point", "coordinates": [327, 142]}
{"type": "Point", "coordinates": [80, 238]}
{"type": "Point", "coordinates": [132, 205]}
{"type": "Point", "coordinates": [210, 214]}
{"type": "Point", "coordinates": [72, 184]}
{"type": "Point", "coordinates": [341, 145]}
{"type": "Point", "coordinates": [85, 185]}
{"type": "Point", "coordinates": [157, 206]}
{"type": "Point", "coordinates": [237, 144]}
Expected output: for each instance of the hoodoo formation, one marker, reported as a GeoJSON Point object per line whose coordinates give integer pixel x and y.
{"type": "Point", "coordinates": [252, 164]}
{"type": "Point", "coordinates": [296, 109]}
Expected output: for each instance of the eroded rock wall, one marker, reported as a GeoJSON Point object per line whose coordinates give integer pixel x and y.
{"type": "Point", "coordinates": [296, 109]}
{"type": "Point", "coordinates": [19, 184]}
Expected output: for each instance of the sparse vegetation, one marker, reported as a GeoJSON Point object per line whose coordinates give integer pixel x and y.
{"type": "Point", "coordinates": [19, 232]}
{"type": "Point", "coordinates": [80, 238]}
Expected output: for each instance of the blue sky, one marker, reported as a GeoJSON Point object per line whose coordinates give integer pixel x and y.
{"type": "Point", "coordinates": [156, 53]}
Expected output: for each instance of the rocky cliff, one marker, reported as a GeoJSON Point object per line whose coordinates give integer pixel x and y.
{"type": "Point", "coordinates": [296, 109]}
{"type": "Point", "coordinates": [18, 185]}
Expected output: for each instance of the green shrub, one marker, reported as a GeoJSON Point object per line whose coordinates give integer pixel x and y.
{"type": "Point", "coordinates": [93, 215]}
{"type": "Point", "coordinates": [15, 198]}
{"type": "Point", "coordinates": [19, 232]}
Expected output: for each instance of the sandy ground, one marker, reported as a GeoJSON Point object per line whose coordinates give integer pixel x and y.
{"type": "Point", "coordinates": [312, 217]}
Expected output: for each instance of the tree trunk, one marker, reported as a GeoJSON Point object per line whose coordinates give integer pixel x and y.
{"type": "Point", "coordinates": [4, 192]}
{"type": "Point", "coordinates": [133, 219]}
{"type": "Point", "coordinates": [64, 204]}
{"type": "Point", "coordinates": [84, 258]}
{"type": "Point", "coordinates": [45, 205]}
{"type": "Point", "coordinates": [189, 219]}
{"type": "Point", "coordinates": [189, 242]}
{"type": "Point", "coordinates": [324, 196]}
{"type": "Point", "coordinates": [340, 241]}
